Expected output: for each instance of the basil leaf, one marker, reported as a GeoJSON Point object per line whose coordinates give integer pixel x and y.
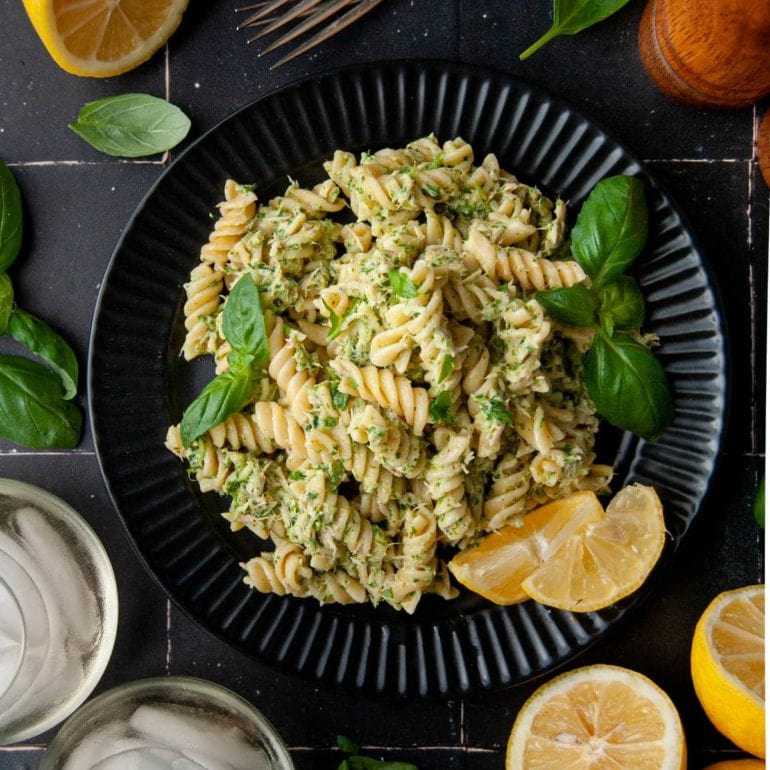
{"type": "Point", "coordinates": [495, 409]}
{"type": "Point", "coordinates": [402, 284]}
{"type": "Point", "coordinates": [441, 408]}
{"type": "Point", "coordinates": [11, 219]}
{"type": "Point", "coordinates": [628, 385]}
{"type": "Point", "coordinates": [573, 306]}
{"type": "Point", "coordinates": [6, 301]}
{"type": "Point", "coordinates": [131, 125]}
{"type": "Point", "coordinates": [348, 745]}
{"type": "Point", "coordinates": [39, 338]}
{"type": "Point", "coordinates": [611, 228]}
{"type": "Point", "coordinates": [243, 321]}
{"type": "Point", "coordinates": [226, 394]}
{"type": "Point", "coordinates": [447, 367]}
{"type": "Point", "coordinates": [621, 304]}
{"type": "Point", "coordinates": [32, 411]}
{"type": "Point", "coordinates": [572, 16]}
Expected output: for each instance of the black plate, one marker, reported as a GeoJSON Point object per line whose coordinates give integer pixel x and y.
{"type": "Point", "coordinates": [138, 385]}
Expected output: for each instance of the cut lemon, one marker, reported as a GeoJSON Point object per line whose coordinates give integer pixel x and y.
{"type": "Point", "coordinates": [498, 565]}
{"type": "Point", "coordinates": [101, 38]}
{"type": "Point", "coordinates": [610, 559]}
{"type": "Point", "coordinates": [738, 764]}
{"type": "Point", "coordinates": [597, 718]}
{"type": "Point", "coordinates": [571, 553]}
{"type": "Point", "coordinates": [728, 666]}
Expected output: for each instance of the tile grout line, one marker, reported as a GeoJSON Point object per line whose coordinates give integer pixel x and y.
{"type": "Point", "coordinates": [388, 749]}
{"type": "Point", "coordinates": [752, 294]}
{"type": "Point", "coordinates": [168, 637]}
{"type": "Point", "coordinates": [140, 162]}
{"type": "Point", "coordinates": [115, 162]}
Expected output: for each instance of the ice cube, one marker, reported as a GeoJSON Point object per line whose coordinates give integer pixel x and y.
{"type": "Point", "coordinates": [216, 746]}
{"type": "Point", "coordinates": [153, 758]}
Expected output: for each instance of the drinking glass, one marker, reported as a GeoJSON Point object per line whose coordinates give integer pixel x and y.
{"type": "Point", "coordinates": [58, 610]}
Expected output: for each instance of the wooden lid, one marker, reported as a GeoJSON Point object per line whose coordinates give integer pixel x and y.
{"type": "Point", "coordinates": [763, 147]}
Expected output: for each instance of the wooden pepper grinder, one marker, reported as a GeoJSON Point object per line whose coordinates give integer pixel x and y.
{"type": "Point", "coordinates": [708, 53]}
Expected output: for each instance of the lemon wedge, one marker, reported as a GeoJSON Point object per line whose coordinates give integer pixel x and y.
{"type": "Point", "coordinates": [606, 561]}
{"type": "Point", "coordinates": [571, 553]}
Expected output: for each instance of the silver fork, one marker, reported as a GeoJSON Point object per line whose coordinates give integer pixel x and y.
{"type": "Point", "coordinates": [272, 15]}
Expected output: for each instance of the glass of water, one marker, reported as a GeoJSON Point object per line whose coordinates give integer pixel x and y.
{"type": "Point", "coordinates": [167, 723]}
{"type": "Point", "coordinates": [58, 610]}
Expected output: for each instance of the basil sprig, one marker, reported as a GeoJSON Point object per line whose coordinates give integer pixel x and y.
{"type": "Point", "coordinates": [131, 125]}
{"type": "Point", "coordinates": [625, 381]}
{"type": "Point", "coordinates": [243, 326]}
{"type": "Point", "coordinates": [573, 16]}
{"type": "Point", "coordinates": [36, 407]}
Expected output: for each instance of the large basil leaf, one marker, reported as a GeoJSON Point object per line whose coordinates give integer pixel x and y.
{"type": "Point", "coordinates": [628, 385]}
{"type": "Point", "coordinates": [10, 218]}
{"type": "Point", "coordinates": [572, 16]}
{"type": "Point", "coordinates": [243, 322]}
{"type": "Point", "coordinates": [226, 394]}
{"type": "Point", "coordinates": [32, 411]}
{"type": "Point", "coordinates": [131, 125]}
{"type": "Point", "coordinates": [621, 305]}
{"type": "Point", "coordinates": [39, 338]}
{"type": "Point", "coordinates": [6, 301]}
{"type": "Point", "coordinates": [611, 228]}
{"type": "Point", "coordinates": [573, 306]}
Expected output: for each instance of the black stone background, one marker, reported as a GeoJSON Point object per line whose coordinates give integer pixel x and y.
{"type": "Point", "coordinates": [78, 202]}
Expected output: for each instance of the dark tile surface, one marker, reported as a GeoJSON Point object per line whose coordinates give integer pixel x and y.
{"type": "Point", "coordinates": [600, 73]}
{"type": "Point", "coordinates": [79, 201]}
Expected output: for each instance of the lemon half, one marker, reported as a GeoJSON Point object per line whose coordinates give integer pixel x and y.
{"type": "Point", "coordinates": [101, 38]}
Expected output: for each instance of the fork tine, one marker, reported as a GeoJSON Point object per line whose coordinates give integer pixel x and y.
{"type": "Point", "coordinates": [332, 7]}
{"type": "Point", "coordinates": [264, 22]}
{"type": "Point", "coordinates": [266, 8]}
{"type": "Point", "coordinates": [290, 15]}
{"type": "Point", "coordinates": [336, 26]}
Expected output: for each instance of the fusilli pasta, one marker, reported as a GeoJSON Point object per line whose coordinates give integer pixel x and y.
{"type": "Point", "coordinates": [416, 394]}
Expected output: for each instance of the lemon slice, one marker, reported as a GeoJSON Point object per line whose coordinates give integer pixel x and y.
{"type": "Point", "coordinates": [597, 718]}
{"type": "Point", "coordinates": [606, 561]}
{"type": "Point", "coordinates": [101, 38]}
{"type": "Point", "coordinates": [738, 764]}
{"type": "Point", "coordinates": [728, 666]}
{"type": "Point", "coordinates": [498, 565]}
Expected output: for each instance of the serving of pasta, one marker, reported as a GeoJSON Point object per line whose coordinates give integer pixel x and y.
{"type": "Point", "coordinates": [416, 394]}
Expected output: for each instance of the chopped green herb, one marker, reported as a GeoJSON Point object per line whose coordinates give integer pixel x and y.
{"type": "Point", "coordinates": [495, 409]}
{"type": "Point", "coordinates": [337, 323]}
{"type": "Point", "coordinates": [402, 284]}
{"type": "Point", "coordinates": [339, 399]}
{"type": "Point", "coordinates": [447, 367]}
{"type": "Point", "coordinates": [441, 407]}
